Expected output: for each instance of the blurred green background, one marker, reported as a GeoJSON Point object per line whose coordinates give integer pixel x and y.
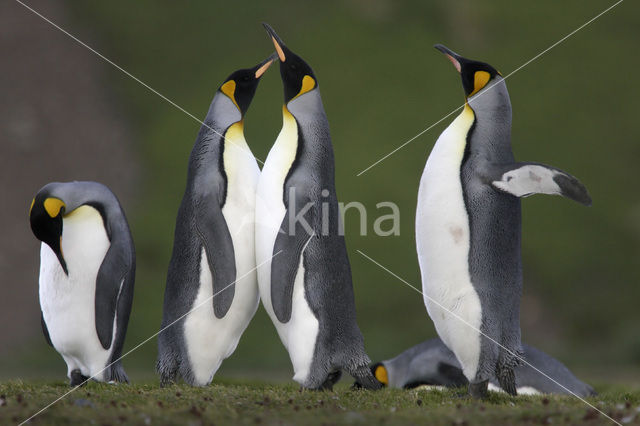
{"type": "Point", "coordinates": [575, 107]}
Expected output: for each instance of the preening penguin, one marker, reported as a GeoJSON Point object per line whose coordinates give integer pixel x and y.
{"type": "Point", "coordinates": [87, 273]}
{"type": "Point", "coordinates": [468, 228]}
{"type": "Point", "coordinates": [305, 277]}
{"type": "Point", "coordinates": [432, 363]}
{"type": "Point", "coordinates": [212, 292]}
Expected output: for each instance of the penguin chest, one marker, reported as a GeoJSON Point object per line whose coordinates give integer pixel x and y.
{"type": "Point", "coordinates": [270, 208]}
{"type": "Point", "coordinates": [443, 242]}
{"type": "Point", "coordinates": [299, 333]}
{"type": "Point", "coordinates": [242, 172]}
{"type": "Point", "coordinates": [209, 340]}
{"type": "Point", "coordinates": [68, 302]}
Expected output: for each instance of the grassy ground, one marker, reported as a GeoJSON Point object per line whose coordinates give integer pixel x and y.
{"type": "Point", "coordinates": [259, 403]}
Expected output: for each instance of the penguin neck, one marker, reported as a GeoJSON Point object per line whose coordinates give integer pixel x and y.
{"type": "Point", "coordinates": [98, 197]}
{"type": "Point", "coordinates": [84, 240]}
{"type": "Point", "coordinates": [236, 155]}
{"type": "Point", "coordinates": [307, 108]}
{"type": "Point", "coordinates": [234, 138]}
{"type": "Point", "coordinates": [223, 128]}
{"type": "Point", "coordinates": [490, 135]}
{"type": "Point", "coordinates": [305, 119]}
{"type": "Point", "coordinates": [288, 138]}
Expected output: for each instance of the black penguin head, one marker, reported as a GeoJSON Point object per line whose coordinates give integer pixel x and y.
{"type": "Point", "coordinates": [475, 75]}
{"type": "Point", "coordinates": [379, 371]}
{"type": "Point", "coordinates": [241, 85]}
{"type": "Point", "coordinates": [45, 217]}
{"type": "Point", "coordinates": [297, 76]}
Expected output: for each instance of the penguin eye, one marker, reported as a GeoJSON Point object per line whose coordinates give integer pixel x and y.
{"type": "Point", "coordinates": [293, 67]}
{"type": "Point", "coordinates": [245, 78]}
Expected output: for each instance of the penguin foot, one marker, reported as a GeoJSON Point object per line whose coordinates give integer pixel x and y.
{"type": "Point", "coordinates": [365, 379]}
{"type": "Point", "coordinates": [479, 390]}
{"type": "Point", "coordinates": [166, 381]}
{"type": "Point", "coordinates": [332, 379]}
{"type": "Point", "coordinates": [77, 379]}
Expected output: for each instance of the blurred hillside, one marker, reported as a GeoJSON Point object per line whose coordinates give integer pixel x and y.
{"type": "Point", "coordinates": [382, 83]}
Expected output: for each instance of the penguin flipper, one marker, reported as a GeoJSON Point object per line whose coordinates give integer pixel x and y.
{"type": "Point", "coordinates": [524, 179]}
{"type": "Point", "coordinates": [112, 277]}
{"type": "Point", "coordinates": [45, 330]}
{"type": "Point", "coordinates": [216, 239]}
{"type": "Point", "coordinates": [287, 251]}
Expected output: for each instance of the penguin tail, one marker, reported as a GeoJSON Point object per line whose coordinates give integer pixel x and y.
{"type": "Point", "coordinates": [507, 380]}
{"type": "Point", "coordinates": [505, 369]}
{"type": "Point", "coordinates": [589, 391]}
{"type": "Point", "coordinates": [118, 374]}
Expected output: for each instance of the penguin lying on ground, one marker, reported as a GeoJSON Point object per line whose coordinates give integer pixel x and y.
{"type": "Point", "coordinates": [305, 277]}
{"type": "Point", "coordinates": [212, 274]}
{"type": "Point", "coordinates": [87, 273]}
{"type": "Point", "coordinates": [468, 228]}
{"type": "Point", "coordinates": [432, 363]}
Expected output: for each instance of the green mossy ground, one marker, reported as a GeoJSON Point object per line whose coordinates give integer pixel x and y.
{"type": "Point", "coordinates": [261, 403]}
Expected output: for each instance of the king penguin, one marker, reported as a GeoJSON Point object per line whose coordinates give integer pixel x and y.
{"type": "Point", "coordinates": [87, 273]}
{"type": "Point", "coordinates": [304, 274]}
{"type": "Point", "coordinates": [212, 292]}
{"type": "Point", "coordinates": [431, 363]}
{"type": "Point", "coordinates": [468, 228]}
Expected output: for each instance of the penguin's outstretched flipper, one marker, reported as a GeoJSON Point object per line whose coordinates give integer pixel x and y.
{"type": "Point", "coordinates": [293, 237]}
{"type": "Point", "coordinates": [218, 245]}
{"type": "Point", "coordinates": [110, 283]}
{"type": "Point", "coordinates": [524, 179]}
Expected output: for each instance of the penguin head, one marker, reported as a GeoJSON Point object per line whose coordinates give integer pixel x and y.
{"type": "Point", "coordinates": [241, 85]}
{"type": "Point", "coordinates": [381, 374]}
{"type": "Point", "coordinates": [475, 75]}
{"type": "Point", "coordinates": [45, 217]}
{"type": "Point", "coordinates": [297, 76]}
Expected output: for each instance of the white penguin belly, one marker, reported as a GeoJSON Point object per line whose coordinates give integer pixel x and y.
{"type": "Point", "coordinates": [68, 302]}
{"type": "Point", "coordinates": [210, 339]}
{"type": "Point", "coordinates": [442, 239]}
{"type": "Point", "coordinates": [299, 334]}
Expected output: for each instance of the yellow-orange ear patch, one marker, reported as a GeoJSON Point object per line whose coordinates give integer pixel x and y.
{"type": "Point", "coordinates": [53, 206]}
{"type": "Point", "coordinates": [480, 79]}
{"type": "Point", "coordinates": [308, 83]}
{"type": "Point", "coordinates": [229, 89]}
{"type": "Point", "coordinates": [381, 375]}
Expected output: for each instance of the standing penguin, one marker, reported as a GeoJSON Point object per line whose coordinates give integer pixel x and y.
{"type": "Point", "coordinates": [87, 271]}
{"type": "Point", "coordinates": [432, 363]}
{"type": "Point", "coordinates": [305, 277]}
{"type": "Point", "coordinates": [212, 273]}
{"type": "Point", "coordinates": [468, 228]}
